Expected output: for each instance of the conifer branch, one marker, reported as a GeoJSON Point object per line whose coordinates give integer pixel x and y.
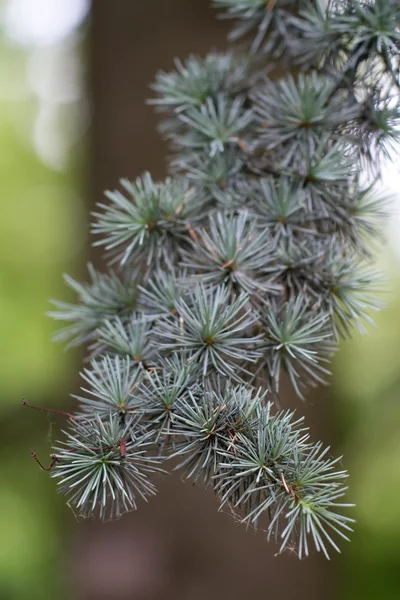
{"type": "Point", "coordinates": [251, 260]}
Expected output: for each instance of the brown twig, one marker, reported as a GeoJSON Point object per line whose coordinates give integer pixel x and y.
{"type": "Point", "coordinates": [51, 465]}
{"type": "Point", "coordinates": [24, 402]}
{"type": "Point", "coordinates": [241, 145]}
{"type": "Point", "coordinates": [228, 264]}
{"type": "Point", "coordinates": [192, 233]}
{"type": "Point", "coordinates": [233, 439]}
{"type": "Point", "coordinates": [122, 448]}
{"type": "Point", "coordinates": [288, 489]}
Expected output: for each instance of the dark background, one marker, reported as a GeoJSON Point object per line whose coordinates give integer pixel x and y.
{"type": "Point", "coordinates": [86, 92]}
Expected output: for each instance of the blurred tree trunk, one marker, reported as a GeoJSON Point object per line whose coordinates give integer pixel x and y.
{"type": "Point", "coordinates": [178, 546]}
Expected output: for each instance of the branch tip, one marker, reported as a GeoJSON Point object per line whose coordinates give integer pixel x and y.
{"type": "Point", "coordinates": [53, 457]}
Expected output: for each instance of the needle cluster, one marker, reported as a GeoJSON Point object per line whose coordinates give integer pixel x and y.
{"type": "Point", "coordinates": [246, 265]}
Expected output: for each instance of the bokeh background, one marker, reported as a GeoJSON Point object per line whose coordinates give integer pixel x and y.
{"type": "Point", "coordinates": [73, 119]}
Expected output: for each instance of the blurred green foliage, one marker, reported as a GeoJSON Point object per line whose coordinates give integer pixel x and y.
{"type": "Point", "coordinates": [42, 230]}
{"type": "Point", "coordinates": [366, 393]}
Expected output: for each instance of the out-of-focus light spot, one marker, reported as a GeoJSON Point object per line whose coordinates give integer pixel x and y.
{"type": "Point", "coordinates": [48, 139]}
{"type": "Point", "coordinates": [43, 22]}
{"type": "Point", "coordinates": [55, 129]}
{"type": "Point", "coordinates": [56, 76]}
{"type": "Point", "coordinates": [391, 183]}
